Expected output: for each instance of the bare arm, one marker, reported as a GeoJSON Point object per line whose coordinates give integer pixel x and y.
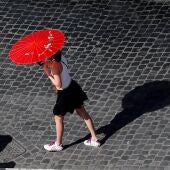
{"type": "Point", "coordinates": [55, 76]}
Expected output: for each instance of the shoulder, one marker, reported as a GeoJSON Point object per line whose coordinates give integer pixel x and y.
{"type": "Point", "coordinates": [56, 66]}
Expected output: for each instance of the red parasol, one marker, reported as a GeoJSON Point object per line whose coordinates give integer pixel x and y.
{"type": "Point", "coordinates": [37, 46]}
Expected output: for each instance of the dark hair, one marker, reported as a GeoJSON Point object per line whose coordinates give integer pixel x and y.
{"type": "Point", "coordinates": [56, 56]}
{"type": "Point", "coordinates": [40, 63]}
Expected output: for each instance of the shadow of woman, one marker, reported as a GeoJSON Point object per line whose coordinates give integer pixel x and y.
{"type": "Point", "coordinates": [4, 140]}
{"type": "Point", "coordinates": [146, 98]}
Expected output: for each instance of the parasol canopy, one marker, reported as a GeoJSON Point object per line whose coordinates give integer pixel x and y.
{"type": "Point", "coordinates": [37, 46]}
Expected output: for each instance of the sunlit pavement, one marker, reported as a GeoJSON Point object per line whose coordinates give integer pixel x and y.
{"type": "Point", "coordinates": [119, 52]}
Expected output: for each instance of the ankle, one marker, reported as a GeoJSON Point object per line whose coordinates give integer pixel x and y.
{"type": "Point", "coordinates": [94, 139]}
{"type": "Point", "coordinates": [58, 143]}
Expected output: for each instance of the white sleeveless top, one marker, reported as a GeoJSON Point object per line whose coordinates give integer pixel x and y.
{"type": "Point", "coordinates": [65, 76]}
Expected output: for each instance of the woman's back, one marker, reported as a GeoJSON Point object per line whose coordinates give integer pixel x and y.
{"type": "Point", "coordinates": [65, 76]}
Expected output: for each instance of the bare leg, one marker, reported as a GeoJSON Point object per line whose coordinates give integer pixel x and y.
{"type": "Point", "coordinates": [87, 119]}
{"type": "Point", "coordinates": [59, 120]}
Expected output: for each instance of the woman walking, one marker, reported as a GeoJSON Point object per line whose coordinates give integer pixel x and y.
{"type": "Point", "coordinates": [70, 97]}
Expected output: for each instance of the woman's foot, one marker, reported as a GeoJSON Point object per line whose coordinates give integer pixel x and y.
{"type": "Point", "coordinates": [91, 142]}
{"type": "Point", "coordinates": [53, 146]}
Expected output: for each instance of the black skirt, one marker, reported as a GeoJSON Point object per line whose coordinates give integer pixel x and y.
{"type": "Point", "coordinates": [69, 99]}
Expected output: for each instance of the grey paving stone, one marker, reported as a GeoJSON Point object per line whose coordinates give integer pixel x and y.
{"type": "Point", "coordinates": [114, 47]}
{"type": "Point", "coordinates": [11, 151]}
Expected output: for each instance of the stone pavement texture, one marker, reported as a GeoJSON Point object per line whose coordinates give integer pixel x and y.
{"type": "Point", "coordinates": [118, 50]}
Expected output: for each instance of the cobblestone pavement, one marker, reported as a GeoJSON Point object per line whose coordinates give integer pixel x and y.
{"type": "Point", "coordinates": [119, 52]}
